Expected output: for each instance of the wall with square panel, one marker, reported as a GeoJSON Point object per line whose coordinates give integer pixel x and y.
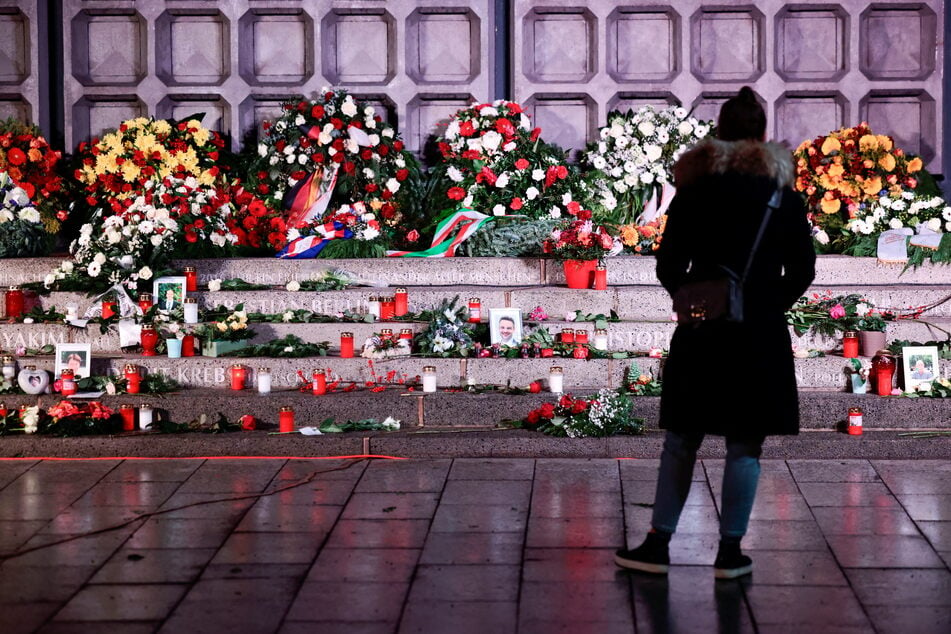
{"type": "Point", "coordinates": [236, 60]}
{"type": "Point", "coordinates": [815, 65]}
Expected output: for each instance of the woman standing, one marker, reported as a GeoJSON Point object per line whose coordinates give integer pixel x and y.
{"type": "Point", "coordinates": [723, 188]}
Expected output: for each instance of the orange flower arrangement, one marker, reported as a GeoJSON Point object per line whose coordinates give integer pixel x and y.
{"type": "Point", "coordinates": [848, 169]}
{"type": "Point", "coordinates": [643, 239]}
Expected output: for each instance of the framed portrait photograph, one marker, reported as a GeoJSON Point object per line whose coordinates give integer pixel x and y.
{"type": "Point", "coordinates": [169, 292]}
{"type": "Point", "coordinates": [919, 365]}
{"type": "Point", "coordinates": [505, 326]}
{"type": "Point", "coordinates": [74, 356]}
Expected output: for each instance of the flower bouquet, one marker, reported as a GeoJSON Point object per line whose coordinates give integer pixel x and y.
{"type": "Point", "coordinates": [32, 164]}
{"type": "Point", "coordinates": [580, 244]}
{"type": "Point", "coordinates": [827, 315]}
{"type": "Point", "coordinates": [225, 335]}
{"type": "Point", "coordinates": [607, 413]}
{"type": "Point", "coordinates": [258, 229]}
{"type": "Point", "coordinates": [634, 157]}
{"type": "Point", "coordinates": [643, 238]}
{"type": "Point", "coordinates": [121, 164]}
{"type": "Point", "coordinates": [21, 227]}
{"type": "Point", "coordinates": [73, 419]}
{"type": "Point", "coordinates": [449, 332]}
{"type": "Point", "coordinates": [127, 244]}
{"type": "Point", "coordinates": [327, 153]}
{"type": "Point", "coordinates": [844, 172]}
{"type": "Point", "coordinates": [497, 164]}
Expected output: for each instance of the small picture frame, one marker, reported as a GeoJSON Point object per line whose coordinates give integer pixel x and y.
{"type": "Point", "coordinates": [74, 356]}
{"type": "Point", "coordinates": [169, 292]}
{"type": "Point", "coordinates": [505, 326]}
{"type": "Point", "coordinates": [920, 364]}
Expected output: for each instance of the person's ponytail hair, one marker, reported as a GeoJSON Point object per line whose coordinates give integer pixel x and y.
{"type": "Point", "coordinates": [742, 117]}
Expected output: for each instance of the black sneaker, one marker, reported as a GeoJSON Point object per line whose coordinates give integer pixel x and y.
{"type": "Point", "coordinates": [731, 563]}
{"type": "Point", "coordinates": [652, 556]}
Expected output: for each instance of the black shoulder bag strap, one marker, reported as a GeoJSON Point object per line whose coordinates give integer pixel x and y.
{"type": "Point", "coordinates": [774, 202]}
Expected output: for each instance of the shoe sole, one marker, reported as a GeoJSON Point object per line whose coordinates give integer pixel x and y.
{"type": "Point", "coordinates": [732, 573]}
{"type": "Point", "coordinates": [642, 566]}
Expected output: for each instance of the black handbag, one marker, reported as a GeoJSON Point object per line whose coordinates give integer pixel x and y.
{"type": "Point", "coordinates": [721, 297]}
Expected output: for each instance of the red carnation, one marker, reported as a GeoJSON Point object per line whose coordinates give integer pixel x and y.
{"type": "Point", "coordinates": [412, 236]}
{"type": "Point", "coordinates": [521, 164]}
{"type": "Point", "coordinates": [337, 158]}
{"type": "Point", "coordinates": [366, 154]}
{"type": "Point", "coordinates": [398, 145]}
{"type": "Point", "coordinates": [371, 187]}
{"type": "Point", "coordinates": [336, 123]}
{"type": "Point", "coordinates": [573, 208]}
{"type": "Point", "coordinates": [535, 134]}
{"type": "Point", "coordinates": [562, 171]}
{"type": "Point", "coordinates": [456, 193]}
{"type": "Point", "coordinates": [514, 108]}
{"type": "Point", "coordinates": [466, 128]}
{"type": "Point", "coordinates": [317, 112]}
{"type": "Point", "coordinates": [402, 174]}
{"type": "Point", "coordinates": [257, 208]}
{"type": "Point", "coordinates": [383, 150]}
{"type": "Point", "coordinates": [516, 204]}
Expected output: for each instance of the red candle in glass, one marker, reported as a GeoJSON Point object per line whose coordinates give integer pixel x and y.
{"type": "Point", "coordinates": [475, 310]}
{"type": "Point", "coordinates": [850, 345]}
{"type": "Point", "coordinates": [387, 308]}
{"type": "Point", "coordinates": [883, 369]}
{"type": "Point", "coordinates": [14, 302]}
{"type": "Point", "coordinates": [401, 299]}
{"type": "Point", "coordinates": [286, 418]}
{"type": "Point", "coordinates": [127, 412]}
{"type": "Point", "coordinates": [320, 382]}
{"type": "Point", "coordinates": [547, 352]}
{"type": "Point", "coordinates": [149, 339]}
{"type": "Point", "coordinates": [3, 410]}
{"type": "Point", "coordinates": [600, 278]}
{"type": "Point", "coordinates": [191, 279]}
{"type": "Point", "coordinates": [581, 336]}
{"type": "Point", "coordinates": [346, 345]}
{"type": "Point", "coordinates": [238, 375]}
{"type": "Point", "coordinates": [567, 335]}
{"type": "Point", "coordinates": [22, 411]}
{"type": "Point", "coordinates": [67, 383]}
{"type": "Point", "coordinates": [133, 380]}
{"type": "Point", "coordinates": [406, 333]}
{"type": "Point", "coordinates": [386, 333]}
{"type": "Point", "coordinates": [145, 301]}
{"type": "Point", "coordinates": [188, 346]}
{"type": "Point", "coordinates": [108, 308]}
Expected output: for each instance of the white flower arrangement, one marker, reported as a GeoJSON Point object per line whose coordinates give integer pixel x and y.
{"type": "Point", "coordinates": [21, 228]}
{"type": "Point", "coordinates": [908, 210]}
{"type": "Point", "coordinates": [634, 155]}
{"type": "Point", "coordinates": [124, 247]}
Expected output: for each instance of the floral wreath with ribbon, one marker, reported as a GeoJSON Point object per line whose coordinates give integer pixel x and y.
{"type": "Point", "coordinates": [330, 163]}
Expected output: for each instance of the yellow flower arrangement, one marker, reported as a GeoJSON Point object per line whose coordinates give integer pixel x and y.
{"type": "Point", "coordinates": [843, 172]}
{"type": "Point", "coordinates": [118, 165]}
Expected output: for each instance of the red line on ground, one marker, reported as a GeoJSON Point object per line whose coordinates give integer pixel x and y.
{"type": "Point", "coordinates": [55, 458]}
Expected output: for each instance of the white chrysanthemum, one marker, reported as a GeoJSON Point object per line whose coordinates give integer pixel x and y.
{"type": "Point", "coordinates": [502, 181]}
{"type": "Point", "coordinates": [94, 269]}
{"type": "Point", "coordinates": [293, 286]}
{"type": "Point", "coordinates": [531, 193]}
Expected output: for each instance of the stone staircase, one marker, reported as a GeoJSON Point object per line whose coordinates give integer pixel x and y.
{"type": "Point", "coordinates": [642, 306]}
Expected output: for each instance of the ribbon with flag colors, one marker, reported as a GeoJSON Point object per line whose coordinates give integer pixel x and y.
{"type": "Point", "coordinates": [450, 233]}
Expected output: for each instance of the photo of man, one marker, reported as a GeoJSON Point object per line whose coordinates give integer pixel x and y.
{"type": "Point", "coordinates": [505, 326]}
{"type": "Point", "coordinates": [920, 372]}
{"type": "Point", "coordinates": [73, 356]}
{"type": "Point", "coordinates": [169, 293]}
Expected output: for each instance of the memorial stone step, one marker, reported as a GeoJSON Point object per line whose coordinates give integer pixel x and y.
{"type": "Point", "coordinates": [831, 270]}
{"type": "Point", "coordinates": [636, 303]}
{"type": "Point", "coordinates": [818, 410]}
{"type": "Point", "coordinates": [826, 373]}
{"type": "Point", "coordinates": [623, 336]}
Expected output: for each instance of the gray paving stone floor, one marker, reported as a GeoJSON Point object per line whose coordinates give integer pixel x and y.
{"type": "Point", "coordinates": [462, 545]}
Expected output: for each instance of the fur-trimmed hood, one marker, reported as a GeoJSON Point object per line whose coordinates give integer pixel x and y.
{"type": "Point", "coordinates": [752, 158]}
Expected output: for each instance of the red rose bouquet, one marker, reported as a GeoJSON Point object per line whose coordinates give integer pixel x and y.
{"type": "Point", "coordinates": [579, 240]}
{"type": "Point", "coordinates": [32, 164]}
{"type": "Point", "coordinates": [607, 413]}
{"type": "Point", "coordinates": [257, 228]}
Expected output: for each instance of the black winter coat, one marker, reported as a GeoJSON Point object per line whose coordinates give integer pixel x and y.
{"type": "Point", "coordinates": [723, 378]}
